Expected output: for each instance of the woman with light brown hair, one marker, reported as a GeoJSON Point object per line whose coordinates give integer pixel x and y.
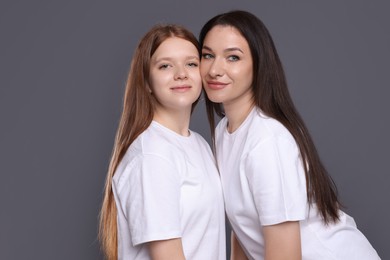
{"type": "Point", "coordinates": [163, 198]}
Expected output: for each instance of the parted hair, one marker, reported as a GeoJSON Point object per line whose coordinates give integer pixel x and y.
{"type": "Point", "coordinates": [137, 115]}
{"type": "Point", "coordinates": [271, 95]}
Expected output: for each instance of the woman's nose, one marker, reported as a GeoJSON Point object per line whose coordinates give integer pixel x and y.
{"type": "Point", "coordinates": [216, 69]}
{"type": "Point", "coordinates": [181, 73]}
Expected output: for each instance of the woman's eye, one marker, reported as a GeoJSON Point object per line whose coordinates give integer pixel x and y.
{"type": "Point", "coordinates": [233, 58]}
{"type": "Point", "coordinates": [193, 64]}
{"type": "Point", "coordinates": [207, 56]}
{"type": "Point", "coordinates": [163, 66]}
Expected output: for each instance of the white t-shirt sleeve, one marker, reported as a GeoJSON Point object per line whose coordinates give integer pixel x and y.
{"type": "Point", "coordinates": [277, 180]}
{"type": "Point", "coordinates": [151, 199]}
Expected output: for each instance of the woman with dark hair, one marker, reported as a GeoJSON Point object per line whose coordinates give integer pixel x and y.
{"type": "Point", "coordinates": [163, 198]}
{"type": "Point", "coordinates": [279, 198]}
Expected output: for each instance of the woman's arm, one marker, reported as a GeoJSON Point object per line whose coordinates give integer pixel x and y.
{"type": "Point", "coordinates": [236, 250]}
{"type": "Point", "coordinates": [171, 249]}
{"type": "Point", "coordinates": [282, 241]}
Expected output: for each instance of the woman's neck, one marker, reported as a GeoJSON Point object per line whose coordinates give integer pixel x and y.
{"type": "Point", "coordinates": [237, 112]}
{"type": "Point", "coordinates": [177, 121]}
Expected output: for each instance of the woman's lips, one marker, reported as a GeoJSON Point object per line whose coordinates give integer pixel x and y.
{"type": "Point", "coordinates": [181, 88]}
{"type": "Point", "coordinates": [216, 85]}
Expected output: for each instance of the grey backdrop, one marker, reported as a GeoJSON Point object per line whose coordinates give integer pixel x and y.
{"type": "Point", "coordinates": [63, 65]}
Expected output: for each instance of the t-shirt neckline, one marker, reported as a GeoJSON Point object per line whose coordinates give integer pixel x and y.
{"type": "Point", "coordinates": [243, 124]}
{"type": "Point", "coordinates": [171, 132]}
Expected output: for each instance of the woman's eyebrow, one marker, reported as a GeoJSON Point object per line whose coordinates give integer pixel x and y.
{"type": "Point", "coordinates": [225, 50]}
{"type": "Point", "coordinates": [206, 47]}
{"type": "Point", "coordinates": [170, 59]}
{"type": "Point", "coordinates": [233, 49]}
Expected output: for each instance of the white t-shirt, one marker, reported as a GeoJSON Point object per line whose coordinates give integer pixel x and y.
{"type": "Point", "coordinates": [264, 183]}
{"type": "Point", "coordinates": [167, 186]}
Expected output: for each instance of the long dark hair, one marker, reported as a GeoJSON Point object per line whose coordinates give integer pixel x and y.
{"type": "Point", "coordinates": [271, 95]}
{"type": "Point", "coordinates": [137, 115]}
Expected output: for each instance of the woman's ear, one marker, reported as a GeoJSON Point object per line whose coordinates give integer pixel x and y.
{"type": "Point", "coordinates": [148, 88]}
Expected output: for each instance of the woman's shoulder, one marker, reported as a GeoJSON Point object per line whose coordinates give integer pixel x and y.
{"type": "Point", "coordinates": [264, 127]}
{"type": "Point", "coordinates": [152, 148]}
{"type": "Point", "coordinates": [221, 126]}
{"type": "Point", "coordinates": [198, 137]}
{"type": "Point", "coordinates": [155, 140]}
{"type": "Point", "coordinates": [268, 124]}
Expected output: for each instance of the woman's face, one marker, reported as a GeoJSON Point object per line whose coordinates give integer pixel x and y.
{"type": "Point", "coordinates": [226, 66]}
{"type": "Point", "coordinates": [174, 74]}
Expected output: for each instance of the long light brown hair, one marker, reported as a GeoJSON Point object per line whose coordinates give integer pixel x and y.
{"type": "Point", "coordinates": [137, 115]}
{"type": "Point", "coordinates": [271, 95]}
